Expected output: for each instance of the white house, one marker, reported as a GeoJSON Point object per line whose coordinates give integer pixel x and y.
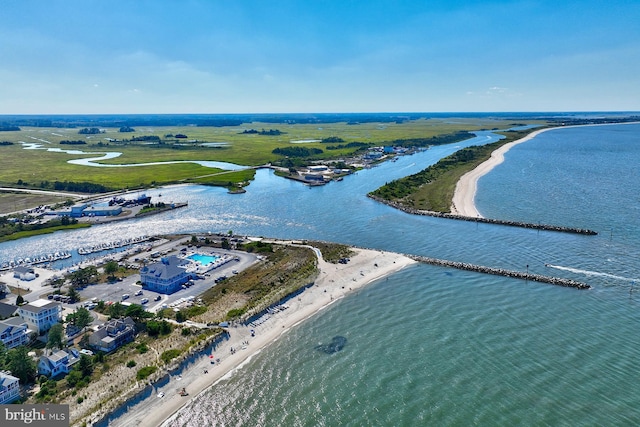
{"type": "Point", "coordinates": [14, 332]}
{"type": "Point", "coordinates": [58, 363]}
{"type": "Point", "coordinates": [41, 314]}
{"type": "Point", "coordinates": [9, 388]}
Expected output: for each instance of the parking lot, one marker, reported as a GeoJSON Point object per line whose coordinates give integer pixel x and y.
{"type": "Point", "coordinates": [128, 290]}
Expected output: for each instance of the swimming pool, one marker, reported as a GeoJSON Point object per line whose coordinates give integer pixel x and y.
{"type": "Point", "coordinates": [204, 260]}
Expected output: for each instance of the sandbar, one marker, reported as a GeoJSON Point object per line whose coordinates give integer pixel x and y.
{"type": "Point", "coordinates": [334, 282]}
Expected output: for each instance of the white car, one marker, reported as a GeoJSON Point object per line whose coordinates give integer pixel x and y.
{"type": "Point", "coordinates": [161, 394]}
{"type": "Point", "coordinates": [87, 352]}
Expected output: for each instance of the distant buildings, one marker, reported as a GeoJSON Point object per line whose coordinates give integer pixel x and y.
{"type": "Point", "coordinates": [41, 314]}
{"type": "Point", "coordinates": [9, 388]}
{"type": "Point", "coordinates": [14, 332]}
{"type": "Point", "coordinates": [166, 276]}
{"type": "Point", "coordinates": [113, 334]}
{"type": "Point", "coordinates": [58, 363]}
{"type": "Point", "coordinates": [83, 209]}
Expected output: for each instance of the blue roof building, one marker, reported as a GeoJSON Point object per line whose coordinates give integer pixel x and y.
{"type": "Point", "coordinates": [166, 276]}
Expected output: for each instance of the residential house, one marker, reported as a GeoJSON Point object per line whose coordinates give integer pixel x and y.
{"type": "Point", "coordinates": [7, 310]}
{"type": "Point", "coordinates": [14, 332]}
{"type": "Point", "coordinates": [9, 388]}
{"type": "Point", "coordinates": [41, 314]}
{"type": "Point", "coordinates": [166, 276]}
{"type": "Point", "coordinates": [58, 363]}
{"type": "Point", "coordinates": [113, 334]}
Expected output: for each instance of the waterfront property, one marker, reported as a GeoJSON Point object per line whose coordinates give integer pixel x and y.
{"type": "Point", "coordinates": [83, 209]}
{"type": "Point", "coordinates": [9, 388]}
{"type": "Point", "coordinates": [113, 334]}
{"type": "Point", "coordinates": [14, 332]}
{"type": "Point", "coordinates": [166, 276]}
{"type": "Point", "coordinates": [58, 363]}
{"type": "Point", "coordinates": [41, 314]}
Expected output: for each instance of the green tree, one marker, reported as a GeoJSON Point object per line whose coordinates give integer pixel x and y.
{"type": "Point", "coordinates": [73, 295]}
{"type": "Point", "coordinates": [19, 300]}
{"type": "Point", "coordinates": [85, 365]}
{"type": "Point", "coordinates": [3, 355]}
{"type": "Point", "coordinates": [111, 268]}
{"type": "Point", "coordinates": [116, 310]}
{"type": "Point", "coordinates": [83, 276]}
{"type": "Point", "coordinates": [84, 341]}
{"type": "Point", "coordinates": [80, 318]}
{"type": "Point", "coordinates": [74, 377]}
{"type": "Point", "coordinates": [21, 364]}
{"type": "Point", "coordinates": [56, 336]}
{"type": "Point", "coordinates": [137, 312]}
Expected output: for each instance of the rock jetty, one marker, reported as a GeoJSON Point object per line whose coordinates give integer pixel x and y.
{"type": "Point", "coordinates": [545, 227]}
{"type": "Point", "coordinates": [502, 272]}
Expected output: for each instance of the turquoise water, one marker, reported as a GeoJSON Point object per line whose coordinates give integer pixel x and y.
{"type": "Point", "coordinates": [205, 260]}
{"type": "Point", "coordinates": [434, 346]}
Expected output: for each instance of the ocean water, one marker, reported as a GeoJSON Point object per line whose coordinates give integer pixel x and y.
{"type": "Point", "coordinates": [435, 346]}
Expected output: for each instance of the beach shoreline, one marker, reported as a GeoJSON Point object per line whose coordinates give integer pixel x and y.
{"type": "Point", "coordinates": [333, 283]}
{"type": "Point", "coordinates": [463, 201]}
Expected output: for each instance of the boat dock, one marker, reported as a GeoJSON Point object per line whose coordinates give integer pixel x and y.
{"type": "Point", "coordinates": [558, 281]}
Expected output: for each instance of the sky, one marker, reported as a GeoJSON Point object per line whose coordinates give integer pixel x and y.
{"type": "Point", "coordinates": [279, 56]}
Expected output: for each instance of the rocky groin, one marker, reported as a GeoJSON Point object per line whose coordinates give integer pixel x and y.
{"type": "Point", "coordinates": [558, 281]}
{"type": "Point", "coordinates": [546, 227]}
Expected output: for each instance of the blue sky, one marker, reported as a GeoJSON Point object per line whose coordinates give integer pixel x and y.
{"type": "Point", "coordinates": [237, 56]}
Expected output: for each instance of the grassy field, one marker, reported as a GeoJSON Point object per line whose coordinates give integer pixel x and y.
{"type": "Point", "coordinates": [31, 233]}
{"type": "Point", "coordinates": [16, 201]}
{"type": "Point", "coordinates": [229, 144]}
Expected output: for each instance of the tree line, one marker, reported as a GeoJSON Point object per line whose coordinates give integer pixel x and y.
{"type": "Point", "coordinates": [297, 151]}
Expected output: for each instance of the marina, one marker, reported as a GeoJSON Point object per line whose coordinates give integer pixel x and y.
{"type": "Point", "coordinates": [36, 260]}
{"type": "Point", "coordinates": [86, 250]}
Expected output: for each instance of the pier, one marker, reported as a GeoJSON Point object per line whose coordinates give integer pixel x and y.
{"type": "Point", "coordinates": [558, 281]}
{"type": "Point", "coordinates": [545, 227]}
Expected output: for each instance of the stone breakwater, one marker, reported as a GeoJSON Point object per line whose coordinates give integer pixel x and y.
{"type": "Point", "coordinates": [558, 281]}
{"type": "Point", "coordinates": [545, 227]}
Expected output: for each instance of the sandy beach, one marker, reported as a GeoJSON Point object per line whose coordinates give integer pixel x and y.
{"type": "Point", "coordinates": [463, 202]}
{"type": "Point", "coordinates": [334, 282]}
